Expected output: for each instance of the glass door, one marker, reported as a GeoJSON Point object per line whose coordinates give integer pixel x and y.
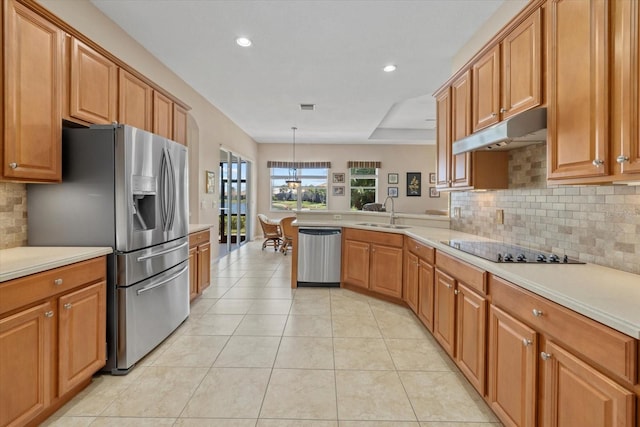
{"type": "Point", "coordinates": [234, 201]}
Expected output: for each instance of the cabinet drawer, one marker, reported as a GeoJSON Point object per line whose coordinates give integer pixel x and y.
{"type": "Point", "coordinates": [198, 238]}
{"type": "Point", "coordinates": [423, 251]}
{"type": "Point", "coordinates": [30, 289]}
{"type": "Point", "coordinates": [610, 349]}
{"type": "Point", "coordinates": [465, 273]}
{"type": "Point", "coordinates": [389, 239]}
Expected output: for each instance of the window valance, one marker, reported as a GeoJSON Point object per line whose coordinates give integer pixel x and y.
{"type": "Point", "coordinates": [363, 164]}
{"type": "Point", "coordinates": [298, 165]}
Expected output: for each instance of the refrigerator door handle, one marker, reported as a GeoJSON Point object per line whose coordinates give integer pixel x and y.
{"type": "Point", "coordinates": [165, 190]}
{"type": "Point", "coordinates": [172, 189]}
{"type": "Point", "coordinates": [159, 253]}
{"type": "Point", "coordinates": [164, 282]}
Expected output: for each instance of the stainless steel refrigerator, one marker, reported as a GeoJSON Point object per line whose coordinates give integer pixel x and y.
{"type": "Point", "coordinates": [125, 188]}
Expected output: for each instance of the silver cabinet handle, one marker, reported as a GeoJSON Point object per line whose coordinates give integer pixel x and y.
{"type": "Point", "coordinates": [493, 114]}
{"type": "Point", "coordinates": [545, 356]}
{"type": "Point", "coordinates": [57, 282]}
{"type": "Point", "coordinates": [503, 110]}
{"type": "Point", "coordinates": [526, 342]}
{"type": "Point", "coordinates": [622, 159]}
{"type": "Point", "coordinates": [537, 313]}
{"type": "Point", "coordinates": [456, 292]}
{"type": "Point", "coordinates": [448, 285]}
{"type": "Point", "coordinates": [13, 165]}
{"type": "Point", "coordinates": [48, 314]}
{"type": "Point", "coordinates": [598, 162]}
{"type": "Point", "coordinates": [67, 306]}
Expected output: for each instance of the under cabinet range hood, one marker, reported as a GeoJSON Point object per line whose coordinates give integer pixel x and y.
{"type": "Point", "coordinates": [526, 128]}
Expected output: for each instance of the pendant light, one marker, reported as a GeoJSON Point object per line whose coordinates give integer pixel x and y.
{"type": "Point", "coordinates": [293, 182]}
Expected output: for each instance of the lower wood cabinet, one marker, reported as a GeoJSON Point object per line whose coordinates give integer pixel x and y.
{"type": "Point", "coordinates": [199, 263]}
{"type": "Point", "coordinates": [471, 321]}
{"type": "Point", "coordinates": [373, 260]}
{"type": "Point", "coordinates": [410, 288]}
{"type": "Point", "coordinates": [52, 338]}
{"type": "Point", "coordinates": [444, 320]}
{"type": "Point", "coordinates": [426, 273]}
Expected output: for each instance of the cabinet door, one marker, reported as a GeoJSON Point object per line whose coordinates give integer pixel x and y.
{"type": "Point", "coordinates": [26, 361]}
{"type": "Point", "coordinates": [576, 395]}
{"type": "Point", "coordinates": [81, 335]}
{"type": "Point", "coordinates": [135, 103]}
{"type": "Point", "coordinates": [193, 273]}
{"type": "Point", "coordinates": [204, 266]}
{"type": "Point", "coordinates": [522, 67]}
{"type": "Point", "coordinates": [443, 135]}
{"type": "Point", "coordinates": [577, 128]}
{"type": "Point", "coordinates": [444, 320]}
{"type": "Point", "coordinates": [461, 127]}
{"type": "Point", "coordinates": [162, 115]}
{"type": "Point", "coordinates": [179, 124]}
{"type": "Point", "coordinates": [471, 322]}
{"type": "Point", "coordinates": [355, 264]}
{"type": "Point", "coordinates": [93, 85]}
{"type": "Point", "coordinates": [425, 293]}
{"type": "Point", "coordinates": [386, 270]}
{"type": "Point", "coordinates": [486, 89]}
{"type": "Point", "coordinates": [410, 288]}
{"type": "Point", "coordinates": [512, 370]}
{"type": "Point", "coordinates": [32, 139]}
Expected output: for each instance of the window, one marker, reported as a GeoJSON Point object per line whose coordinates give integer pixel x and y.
{"type": "Point", "coordinates": [313, 191]}
{"type": "Point", "coordinates": [363, 184]}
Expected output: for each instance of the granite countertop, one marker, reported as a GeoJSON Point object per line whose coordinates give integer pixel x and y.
{"type": "Point", "coordinates": [194, 228]}
{"type": "Point", "coordinates": [609, 296]}
{"type": "Point", "coordinates": [26, 260]}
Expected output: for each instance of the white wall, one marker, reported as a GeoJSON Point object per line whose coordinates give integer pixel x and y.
{"type": "Point", "coordinates": [398, 159]}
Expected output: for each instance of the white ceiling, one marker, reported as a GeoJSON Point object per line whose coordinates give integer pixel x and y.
{"type": "Point", "coordinates": [326, 52]}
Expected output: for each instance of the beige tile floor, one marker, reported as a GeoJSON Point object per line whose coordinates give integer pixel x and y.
{"type": "Point", "coordinates": [256, 353]}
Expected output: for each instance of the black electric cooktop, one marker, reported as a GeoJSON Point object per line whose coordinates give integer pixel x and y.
{"type": "Point", "coordinates": [508, 253]}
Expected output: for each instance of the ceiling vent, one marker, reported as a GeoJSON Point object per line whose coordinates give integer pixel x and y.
{"type": "Point", "coordinates": [307, 107]}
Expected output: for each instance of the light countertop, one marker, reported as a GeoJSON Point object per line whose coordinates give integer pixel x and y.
{"type": "Point", "coordinates": [194, 228]}
{"type": "Point", "coordinates": [609, 296]}
{"type": "Point", "coordinates": [26, 260]}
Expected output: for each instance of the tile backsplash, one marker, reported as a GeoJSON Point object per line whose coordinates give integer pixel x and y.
{"type": "Point", "coordinates": [13, 215]}
{"type": "Point", "coordinates": [596, 224]}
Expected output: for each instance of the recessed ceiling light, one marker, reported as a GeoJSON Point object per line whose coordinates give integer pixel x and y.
{"type": "Point", "coordinates": [243, 41]}
{"type": "Point", "coordinates": [389, 68]}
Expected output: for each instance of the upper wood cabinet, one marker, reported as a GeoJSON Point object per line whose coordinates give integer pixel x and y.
{"type": "Point", "coordinates": [162, 115]}
{"type": "Point", "coordinates": [93, 85]}
{"type": "Point", "coordinates": [33, 77]}
{"type": "Point", "coordinates": [461, 127]}
{"type": "Point", "coordinates": [179, 124]}
{"type": "Point", "coordinates": [443, 138]}
{"type": "Point", "coordinates": [486, 89]}
{"type": "Point", "coordinates": [135, 101]}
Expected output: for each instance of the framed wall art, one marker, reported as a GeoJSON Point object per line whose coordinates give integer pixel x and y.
{"type": "Point", "coordinates": [392, 178]}
{"type": "Point", "coordinates": [392, 191]}
{"type": "Point", "coordinates": [433, 192]}
{"type": "Point", "coordinates": [414, 184]}
{"type": "Point", "coordinates": [338, 190]}
{"type": "Point", "coordinates": [210, 182]}
{"type": "Point", "coordinates": [338, 177]}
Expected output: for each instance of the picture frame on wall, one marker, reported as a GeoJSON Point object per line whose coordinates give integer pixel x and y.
{"type": "Point", "coordinates": [414, 184]}
{"type": "Point", "coordinates": [392, 178]}
{"type": "Point", "coordinates": [338, 177]}
{"type": "Point", "coordinates": [210, 184]}
{"type": "Point", "coordinates": [432, 178]}
{"type": "Point", "coordinates": [433, 193]}
{"type": "Point", "coordinates": [392, 191]}
{"type": "Point", "coordinates": [338, 190]}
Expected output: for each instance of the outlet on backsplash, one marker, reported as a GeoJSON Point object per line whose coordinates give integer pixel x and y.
{"type": "Point", "coordinates": [499, 216]}
{"type": "Point", "coordinates": [456, 212]}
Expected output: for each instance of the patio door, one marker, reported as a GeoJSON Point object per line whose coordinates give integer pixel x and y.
{"type": "Point", "coordinates": [234, 201]}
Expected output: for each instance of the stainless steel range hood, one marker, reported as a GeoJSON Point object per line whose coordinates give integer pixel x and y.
{"type": "Point", "coordinates": [526, 128]}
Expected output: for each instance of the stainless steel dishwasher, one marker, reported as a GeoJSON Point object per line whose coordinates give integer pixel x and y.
{"type": "Point", "coordinates": [319, 256]}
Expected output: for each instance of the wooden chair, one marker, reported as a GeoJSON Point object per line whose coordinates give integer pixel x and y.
{"type": "Point", "coordinates": [271, 232]}
{"type": "Point", "coordinates": [287, 233]}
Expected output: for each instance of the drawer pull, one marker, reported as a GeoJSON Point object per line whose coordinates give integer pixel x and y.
{"type": "Point", "coordinates": [48, 314]}
{"type": "Point", "coordinates": [545, 356]}
{"type": "Point", "coordinates": [13, 165]}
{"type": "Point", "coordinates": [67, 306]}
{"type": "Point", "coordinates": [537, 313]}
{"type": "Point", "coordinates": [57, 282]}
{"type": "Point", "coordinates": [447, 285]}
{"type": "Point", "coordinates": [526, 342]}
{"type": "Point", "coordinates": [456, 292]}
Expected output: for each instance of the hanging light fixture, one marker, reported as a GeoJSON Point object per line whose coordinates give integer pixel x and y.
{"type": "Point", "coordinates": [293, 182]}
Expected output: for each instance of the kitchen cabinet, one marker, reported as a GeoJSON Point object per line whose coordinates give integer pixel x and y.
{"type": "Point", "coordinates": [417, 289]}
{"type": "Point", "coordinates": [93, 85]}
{"type": "Point", "coordinates": [443, 138]}
{"type": "Point", "coordinates": [32, 101]}
{"type": "Point", "coordinates": [135, 101]}
{"type": "Point", "coordinates": [179, 124]}
{"type": "Point", "coordinates": [162, 115]}
{"type": "Point", "coordinates": [578, 88]}
{"type": "Point", "coordinates": [461, 127]}
{"type": "Point", "coordinates": [426, 273]}
{"type": "Point", "coordinates": [507, 78]}
{"type": "Point", "coordinates": [411, 276]}
{"type": "Point", "coordinates": [373, 261]}
{"type": "Point", "coordinates": [512, 367]}
{"type": "Point", "coordinates": [52, 338]}
{"type": "Point", "coordinates": [460, 316]}
{"type": "Point", "coordinates": [199, 262]}
{"type": "Point", "coordinates": [586, 371]}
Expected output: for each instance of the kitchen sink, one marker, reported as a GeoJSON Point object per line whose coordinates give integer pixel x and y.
{"type": "Point", "coordinates": [394, 226]}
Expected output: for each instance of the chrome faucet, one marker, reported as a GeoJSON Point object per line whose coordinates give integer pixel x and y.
{"type": "Point", "coordinates": [392, 218]}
